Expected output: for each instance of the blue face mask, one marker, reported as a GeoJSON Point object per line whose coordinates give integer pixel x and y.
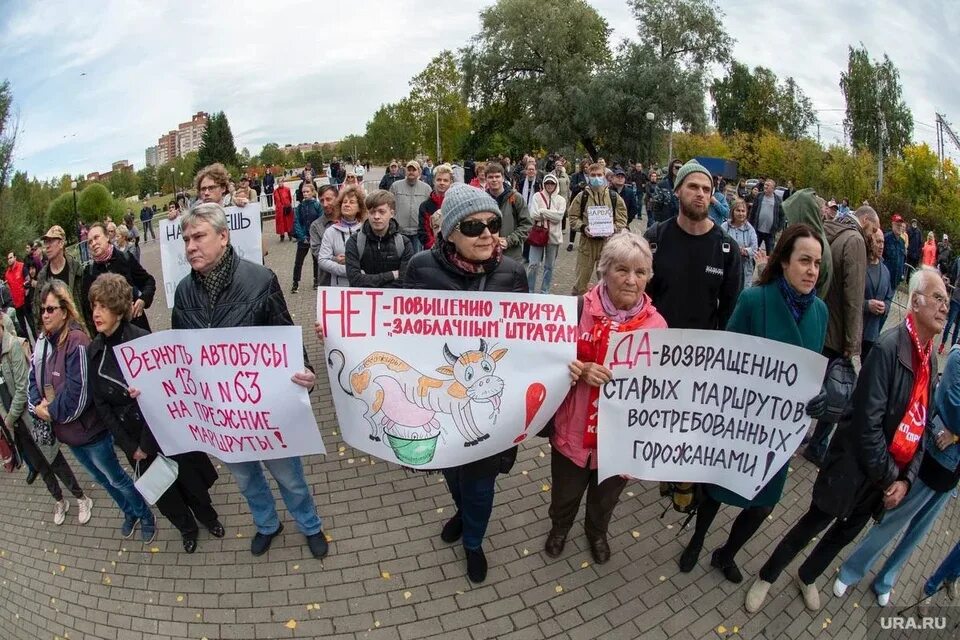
{"type": "Point", "coordinates": [597, 182]}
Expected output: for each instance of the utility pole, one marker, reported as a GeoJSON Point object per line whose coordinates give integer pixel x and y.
{"type": "Point", "coordinates": [437, 159]}
{"type": "Point", "coordinates": [670, 141]}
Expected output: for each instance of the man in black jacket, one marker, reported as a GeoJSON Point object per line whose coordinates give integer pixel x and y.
{"type": "Point", "coordinates": [224, 290]}
{"type": "Point", "coordinates": [914, 244]}
{"type": "Point", "coordinates": [378, 255]}
{"type": "Point", "coordinates": [876, 454]}
{"type": "Point", "coordinates": [106, 258]}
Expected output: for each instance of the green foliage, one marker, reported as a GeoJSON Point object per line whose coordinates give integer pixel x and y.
{"type": "Point", "coordinates": [437, 91]}
{"type": "Point", "coordinates": [19, 225]}
{"type": "Point", "coordinates": [877, 117]}
{"type": "Point", "coordinates": [124, 183]}
{"type": "Point", "coordinates": [95, 203]}
{"type": "Point", "coordinates": [148, 181]}
{"type": "Point", "coordinates": [754, 101]}
{"type": "Point", "coordinates": [183, 172]}
{"type": "Point", "coordinates": [61, 212]}
{"type": "Point", "coordinates": [316, 158]}
{"type": "Point", "coordinates": [271, 154]}
{"type": "Point", "coordinates": [293, 157]}
{"type": "Point", "coordinates": [217, 144]}
{"type": "Point", "coordinates": [8, 134]}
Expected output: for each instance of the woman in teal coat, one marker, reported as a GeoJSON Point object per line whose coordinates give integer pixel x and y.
{"type": "Point", "coordinates": [784, 307]}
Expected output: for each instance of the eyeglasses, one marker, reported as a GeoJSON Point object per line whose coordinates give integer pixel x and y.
{"type": "Point", "coordinates": [49, 309]}
{"type": "Point", "coordinates": [209, 188]}
{"type": "Point", "coordinates": [941, 300]}
{"type": "Point", "coordinates": [474, 228]}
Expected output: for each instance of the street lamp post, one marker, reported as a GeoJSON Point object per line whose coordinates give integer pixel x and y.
{"type": "Point", "coordinates": [650, 117]}
{"type": "Point", "coordinates": [438, 131]}
{"type": "Point", "coordinates": [173, 177]}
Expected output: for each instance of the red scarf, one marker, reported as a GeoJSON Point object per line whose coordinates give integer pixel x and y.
{"type": "Point", "coordinates": [906, 439]}
{"type": "Point", "coordinates": [593, 348]}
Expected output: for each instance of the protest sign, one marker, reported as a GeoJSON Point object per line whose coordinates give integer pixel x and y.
{"type": "Point", "coordinates": [436, 379]}
{"type": "Point", "coordinates": [704, 406]}
{"type": "Point", "coordinates": [226, 392]}
{"type": "Point", "coordinates": [600, 221]}
{"type": "Point", "coordinates": [245, 236]}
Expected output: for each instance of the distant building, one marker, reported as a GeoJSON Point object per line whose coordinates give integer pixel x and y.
{"type": "Point", "coordinates": [190, 134]}
{"type": "Point", "coordinates": [152, 157]}
{"type": "Point", "coordinates": [167, 148]}
{"type": "Point", "coordinates": [121, 165]}
{"type": "Point", "coordinates": [93, 176]}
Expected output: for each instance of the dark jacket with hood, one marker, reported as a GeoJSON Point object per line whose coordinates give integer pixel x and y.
{"type": "Point", "coordinates": [124, 264]}
{"type": "Point", "coordinates": [433, 270]}
{"type": "Point", "coordinates": [516, 221]}
{"type": "Point", "coordinates": [915, 244]}
{"type": "Point", "coordinates": [858, 466]}
{"type": "Point", "coordinates": [802, 207]}
{"type": "Point", "coordinates": [308, 211]}
{"type": "Point", "coordinates": [380, 258]}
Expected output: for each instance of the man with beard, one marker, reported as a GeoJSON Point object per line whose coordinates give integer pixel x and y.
{"type": "Point", "coordinates": [697, 275]}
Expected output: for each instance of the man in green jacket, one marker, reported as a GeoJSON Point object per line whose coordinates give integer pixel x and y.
{"type": "Point", "coordinates": [60, 266]}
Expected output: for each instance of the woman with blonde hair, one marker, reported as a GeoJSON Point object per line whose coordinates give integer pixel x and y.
{"type": "Point", "coordinates": [60, 395]}
{"type": "Point", "coordinates": [350, 211]}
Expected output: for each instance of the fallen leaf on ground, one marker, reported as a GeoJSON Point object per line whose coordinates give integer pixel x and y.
{"type": "Point", "coordinates": [406, 595]}
{"type": "Point", "coordinates": [291, 624]}
{"type": "Point", "coordinates": [558, 589]}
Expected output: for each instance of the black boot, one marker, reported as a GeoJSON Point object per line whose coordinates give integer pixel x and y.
{"type": "Point", "coordinates": [727, 566]}
{"type": "Point", "coordinates": [453, 529]}
{"type": "Point", "coordinates": [476, 565]}
{"type": "Point", "coordinates": [688, 559]}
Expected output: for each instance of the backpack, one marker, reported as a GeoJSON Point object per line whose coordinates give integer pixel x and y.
{"type": "Point", "coordinates": [613, 201]}
{"type": "Point", "coordinates": [398, 240]}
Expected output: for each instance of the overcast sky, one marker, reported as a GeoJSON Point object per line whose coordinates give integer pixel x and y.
{"type": "Point", "coordinates": [99, 82]}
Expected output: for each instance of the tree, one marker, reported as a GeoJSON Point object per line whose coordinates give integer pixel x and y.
{"type": "Point", "coordinates": [436, 94]}
{"type": "Point", "coordinates": [8, 134]}
{"type": "Point", "coordinates": [794, 110]}
{"type": "Point", "coordinates": [271, 154]}
{"type": "Point", "coordinates": [123, 183]}
{"type": "Point", "coordinates": [755, 101]}
{"type": "Point", "coordinates": [538, 56]}
{"type": "Point", "coordinates": [61, 212]}
{"type": "Point", "coordinates": [877, 118]}
{"type": "Point", "coordinates": [94, 203]}
{"type": "Point", "coordinates": [148, 181]}
{"type": "Point", "coordinates": [217, 143]}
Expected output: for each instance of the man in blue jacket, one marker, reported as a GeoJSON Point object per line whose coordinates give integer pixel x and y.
{"type": "Point", "coordinates": [307, 211]}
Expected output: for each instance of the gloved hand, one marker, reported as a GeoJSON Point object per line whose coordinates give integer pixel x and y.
{"type": "Point", "coordinates": [817, 406]}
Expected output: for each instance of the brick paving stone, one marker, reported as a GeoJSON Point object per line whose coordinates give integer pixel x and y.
{"type": "Point", "coordinates": [386, 519]}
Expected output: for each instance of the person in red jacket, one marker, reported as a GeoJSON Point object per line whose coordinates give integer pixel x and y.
{"type": "Point", "coordinates": [283, 203]}
{"type": "Point", "coordinates": [442, 179]}
{"type": "Point", "coordinates": [15, 275]}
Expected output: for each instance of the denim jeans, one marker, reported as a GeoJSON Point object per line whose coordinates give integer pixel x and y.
{"type": "Point", "coordinates": [474, 500]}
{"type": "Point", "coordinates": [100, 460]}
{"type": "Point", "coordinates": [948, 571]}
{"type": "Point", "coordinates": [414, 242]}
{"type": "Point", "coordinates": [953, 320]}
{"type": "Point", "coordinates": [547, 256]}
{"type": "Point", "coordinates": [288, 472]}
{"type": "Point", "coordinates": [914, 516]}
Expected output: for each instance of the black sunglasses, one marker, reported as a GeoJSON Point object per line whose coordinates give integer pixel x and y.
{"type": "Point", "coordinates": [474, 228]}
{"type": "Point", "coordinates": [50, 309]}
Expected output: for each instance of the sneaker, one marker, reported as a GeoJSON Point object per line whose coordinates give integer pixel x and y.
{"type": "Point", "coordinates": [756, 595]}
{"type": "Point", "coordinates": [85, 509]}
{"type": "Point", "coordinates": [811, 596]}
{"type": "Point", "coordinates": [148, 531]}
{"type": "Point", "coordinates": [295, 288]}
{"type": "Point", "coordinates": [476, 565]}
{"type": "Point", "coordinates": [60, 512]}
{"type": "Point", "coordinates": [953, 589]}
{"type": "Point", "coordinates": [883, 599]}
{"type": "Point", "coordinates": [318, 545]}
{"type": "Point", "coordinates": [128, 526]}
{"type": "Point", "coordinates": [570, 246]}
{"type": "Point", "coordinates": [261, 542]}
{"type": "Point", "coordinates": [839, 588]}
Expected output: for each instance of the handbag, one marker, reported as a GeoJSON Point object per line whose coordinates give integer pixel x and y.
{"type": "Point", "coordinates": [7, 457]}
{"type": "Point", "coordinates": [158, 477]}
{"type": "Point", "coordinates": [539, 235]}
{"type": "Point", "coordinates": [838, 384]}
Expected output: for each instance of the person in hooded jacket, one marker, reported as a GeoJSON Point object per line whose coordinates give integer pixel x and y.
{"type": "Point", "coordinates": [468, 256]}
{"type": "Point", "coordinates": [547, 209]}
{"type": "Point", "coordinates": [386, 251]}
{"type": "Point", "coordinates": [804, 207]}
{"type": "Point", "coordinates": [108, 259]}
{"type": "Point", "coordinates": [442, 179]}
{"type": "Point", "coordinates": [350, 211]}
{"type": "Point", "coordinates": [189, 495]}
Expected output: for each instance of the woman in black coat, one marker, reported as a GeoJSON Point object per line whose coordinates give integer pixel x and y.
{"type": "Point", "coordinates": [188, 499]}
{"type": "Point", "coordinates": [468, 256]}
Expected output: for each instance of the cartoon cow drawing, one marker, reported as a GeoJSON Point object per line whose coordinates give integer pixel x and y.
{"type": "Point", "coordinates": [400, 398]}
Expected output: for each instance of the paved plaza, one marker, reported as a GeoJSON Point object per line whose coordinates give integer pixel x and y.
{"type": "Point", "coordinates": [388, 574]}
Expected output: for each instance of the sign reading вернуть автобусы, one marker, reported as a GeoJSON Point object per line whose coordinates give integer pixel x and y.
{"type": "Point", "coordinates": [704, 406]}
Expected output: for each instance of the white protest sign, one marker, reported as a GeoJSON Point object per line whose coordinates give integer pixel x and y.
{"type": "Point", "coordinates": [704, 406]}
{"type": "Point", "coordinates": [600, 221]}
{"type": "Point", "coordinates": [436, 379]}
{"type": "Point", "coordinates": [226, 392]}
{"type": "Point", "coordinates": [245, 236]}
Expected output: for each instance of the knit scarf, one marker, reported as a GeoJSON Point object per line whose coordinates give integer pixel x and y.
{"type": "Point", "coordinates": [106, 257]}
{"type": "Point", "coordinates": [797, 302]}
{"type": "Point", "coordinates": [618, 315]}
{"type": "Point", "coordinates": [593, 348]}
{"type": "Point", "coordinates": [907, 437]}
{"type": "Point", "coordinates": [470, 266]}
{"type": "Point", "coordinates": [217, 280]}
{"type": "Point", "coordinates": [437, 198]}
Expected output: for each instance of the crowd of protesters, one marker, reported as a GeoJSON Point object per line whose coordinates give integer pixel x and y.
{"type": "Point", "coordinates": [688, 250]}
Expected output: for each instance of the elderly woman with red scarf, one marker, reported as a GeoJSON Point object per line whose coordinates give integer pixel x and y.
{"type": "Point", "coordinates": [617, 303]}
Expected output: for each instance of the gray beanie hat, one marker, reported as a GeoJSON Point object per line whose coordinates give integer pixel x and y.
{"type": "Point", "coordinates": [461, 201]}
{"type": "Point", "coordinates": [691, 166]}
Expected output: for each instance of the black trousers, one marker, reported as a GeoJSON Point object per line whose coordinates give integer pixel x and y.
{"type": "Point", "coordinates": [569, 483]}
{"type": "Point", "coordinates": [148, 230]}
{"type": "Point", "coordinates": [840, 534]}
{"type": "Point", "coordinates": [188, 499]}
{"type": "Point", "coordinates": [49, 471]}
{"type": "Point", "coordinates": [746, 524]}
{"type": "Point", "coordinates": [303, 250]}
{"type": "Point", "coordinates": [765, 238]}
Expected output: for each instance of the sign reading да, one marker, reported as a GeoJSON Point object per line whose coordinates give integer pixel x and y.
{"type": "Point", "coordinates": [704, 406]}
{"type": "Point", "coordinates": [436, 379]}
{"type": "Point", "coordinates": [223, 391]}
{"type": "Point", "coordinates": [245, 236]}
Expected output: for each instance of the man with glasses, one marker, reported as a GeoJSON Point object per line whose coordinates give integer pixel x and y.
{"type": "Point", "coordinates": [60, 266]}
{"type": "Point", "coordinates": [848, 248]}
{"type": "Point", "coordinates": [877, 453]}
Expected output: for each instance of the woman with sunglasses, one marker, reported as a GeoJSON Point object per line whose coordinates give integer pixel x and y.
{"type": "Point", "coordinates": [188, 498]}
{"type": "Point", "coordinates": [467, 256]}
{"type": "Point", "coordinates": [60, 395]}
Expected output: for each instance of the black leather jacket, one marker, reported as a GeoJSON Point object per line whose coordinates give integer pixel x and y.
{"type": "Point", "coordinates": [432, 270]}
{"type": "Point", "coordinates": [859, 467]}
